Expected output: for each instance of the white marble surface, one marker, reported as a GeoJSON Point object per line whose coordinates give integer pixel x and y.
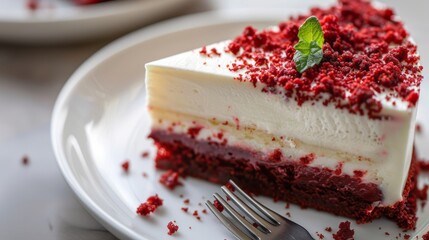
{"type": "Point", "coordinates": [35, 201]}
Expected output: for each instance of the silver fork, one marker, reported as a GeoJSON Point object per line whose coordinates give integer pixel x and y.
{"type": "Point", "coordinates": [270, 226]}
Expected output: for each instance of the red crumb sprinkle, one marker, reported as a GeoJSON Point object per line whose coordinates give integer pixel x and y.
{"type": "Point", "coordinates": [366, 52]}
{"type": "Point", "coordinates": [145, 154]}
{"type": "Point", "coordinates": [218, 205]}
{"type": "Point", "coordinates": [151, 204]}
{"type": "Point", "coordinates": [328, 229]}
{"type": "Point", "coordinates": [186, 201]}
{"type": "Point", "coordinates": [145, 209]}
{"type": "Point", "coordinates": [307, 159]}
{"type": "Point", "coordinates": [196, 215]}
{"type": "Point", "coordinates": [170, 179]}
{"type": "Point", "coordinates": [203, 51]}
{"type": "Point", "coordinates": [172, 228]}
{"type": "Point", "coordinates": [288, 214]}
{"type": "Point", "coordinates": [32, 5]}
{"type": "Point", "coordinates": [412, 98]}
{"type": "Point", "coordinates": [287, 205]}
{"type": "Point", "coordinates": [125, 166]}
{"type": "Point", "coordinates": [230, 187]}
{"type": "Point", "coordinates": [418, 128]}
{"type": "Point", "coordinates": [185, 209]}
{"type": "Point", "coordinates": [426, 236]}
{"type": "Point", "coordinates": [204, 211]}
{"type": "Point", "coordinates": [339, 169]}
{"type": "Point", "coordinates": [424, 165]}
{"type": "Point", "coordinates": [275, 156]}
{"type": "Point", "coordinates": [406, 236]}
{"type": "Point", "coordinates": [194, 131]}
{"type": "Point", "coordinates": [155, 200]}
{"type": "Point", "coordinates": [25, 160]}
{"type": "Point", "coordinates": [214, 51]}
{"type": "Point", "coordinates": [386, 233]}
{"type": "Point", "coordinates": [359, 173]}
{"type": "Point", "coordinates": [321, 236]}
{"type": "Point", "coordinates": [344, 232]}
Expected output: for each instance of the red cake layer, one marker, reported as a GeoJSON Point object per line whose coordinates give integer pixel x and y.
{"type": "Point", "coordinates": [291, 181]}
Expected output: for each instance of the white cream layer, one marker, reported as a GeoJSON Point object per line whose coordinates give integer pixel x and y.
{"type": "Point", "coordinates": [202, 86]}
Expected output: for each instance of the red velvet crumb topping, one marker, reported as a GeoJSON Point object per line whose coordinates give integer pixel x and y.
{"type": "Point", "coordinates": [366, 51]}
{"type": "Point", "coordinates": [145, 209]}
{"type": "Point", "coordinates": [426, 236]}
{"type": "Point", "coordinates": [172, 228]}
{"type": "Point", "coordinates": [25, 160]}
{"type": "Point", "coordinates": [230, 187]}
{"type": "Point", "coordinates": [125, 166]}
{"type": "Point", "coordinates": [218, 205]}
{"type": "Point", "coordinates": [418, 128]}
{"type": "Point", "coordinates": [148, 207]}
{"type": "Point", "coordinates": [328, 229]}
{"type": "Point", "coordinates": [145, 154]}
{"type": "Point", "coordinates": [195, 214]}
{"type": "Point", "coordinates": [210, 53]}
{"type": "Point", "coordinates": [307, 159]}
{"type": "Point", "coordinates": [359, 173]}
{"type": "Point", "coordinates": [155, 200]}
{"type": "Point", "coordinates": [194, 131]}
{"type": "Point", "coordinates": [170, 179]}
{"type": "Point", "coordinates": [424, 165]}
{"type": "Point", "coordinates": [275, 156]}
{"type": "Point", "coordinates": [344, 233]}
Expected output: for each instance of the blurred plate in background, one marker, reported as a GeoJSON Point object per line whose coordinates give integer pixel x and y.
{"type": "Point", "coordinates": [62, 21]}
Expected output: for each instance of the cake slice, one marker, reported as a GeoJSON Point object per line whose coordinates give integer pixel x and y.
{"type": "Point", "coordinates": [336, 136]}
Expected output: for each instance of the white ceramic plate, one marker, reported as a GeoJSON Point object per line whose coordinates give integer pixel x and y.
{"type": "Point", "coordinates": [62, 21]}
{"type": "Point", "coordinates": [100, 120]}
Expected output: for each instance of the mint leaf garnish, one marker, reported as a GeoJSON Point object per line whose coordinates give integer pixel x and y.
{"type": "Point", "coordinates": [309, 48]}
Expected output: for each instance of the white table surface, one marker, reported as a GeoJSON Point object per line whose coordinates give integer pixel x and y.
{"type": "Point", "coordinates": [35, 201]}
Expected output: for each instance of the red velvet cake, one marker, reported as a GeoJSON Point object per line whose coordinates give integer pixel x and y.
{"type": "Point", "coordinates": [318, 111]}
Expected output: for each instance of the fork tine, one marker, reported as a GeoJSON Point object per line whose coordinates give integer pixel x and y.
{"type": "Point", "coordinates": [227, 223]}
{"type": "Point", "coordinates": [237, 216]}
{"type": "Point", "coordinates": [267, 212]}
{"type": "Point", "coordinates": [249, 211]}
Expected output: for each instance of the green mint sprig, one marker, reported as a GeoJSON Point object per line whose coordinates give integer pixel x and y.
{"type": "Point", "coordinates": [309, 50]}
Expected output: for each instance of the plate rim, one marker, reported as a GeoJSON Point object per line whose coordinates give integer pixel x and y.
{"type": "Point", "coordinates": [130, 40]}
